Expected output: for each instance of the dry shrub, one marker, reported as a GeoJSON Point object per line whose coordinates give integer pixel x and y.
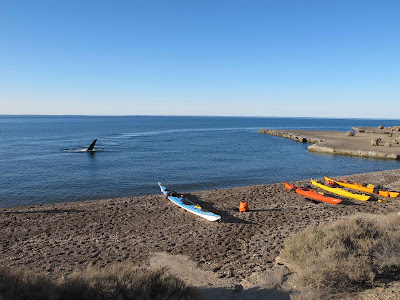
{"type": "Point", "coordinates": [126, 282]}
{"type": "Point", "coordinates": [121, 281]}
{"type": "Point", "coordinates": [345, 256]}
{"type": "Point", "coordinates": [16, 284]}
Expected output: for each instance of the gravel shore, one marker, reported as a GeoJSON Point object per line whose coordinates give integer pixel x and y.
{"type": "Point", "coordinates": [59, 238]}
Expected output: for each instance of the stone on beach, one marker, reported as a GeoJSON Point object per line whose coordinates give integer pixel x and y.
{"type": "Point", "coordinates": [375, 142]}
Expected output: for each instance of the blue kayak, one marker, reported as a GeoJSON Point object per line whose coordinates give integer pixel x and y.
{"type": "Point", "coordinates": [185, 203]}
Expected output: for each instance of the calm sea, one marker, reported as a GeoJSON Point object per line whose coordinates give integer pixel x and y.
{"type": "Point", "coordinates": [41, 161]}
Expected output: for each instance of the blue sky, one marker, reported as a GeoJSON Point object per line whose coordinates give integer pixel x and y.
{"type": "Point", "coordinates": [245, 58]}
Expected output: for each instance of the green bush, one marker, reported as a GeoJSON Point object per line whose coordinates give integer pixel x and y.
{"type": "Point", "coordinates": [345, 256]}
{"type": "Point", "coordinates": [115, 282]}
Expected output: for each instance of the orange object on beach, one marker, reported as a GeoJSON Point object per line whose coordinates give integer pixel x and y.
{"type": "Point", "coordinates": [331, 182]}
{"type": "Point", "coordinates": [244, 206]}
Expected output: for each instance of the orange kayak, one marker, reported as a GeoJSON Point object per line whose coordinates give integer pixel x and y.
{"type": "Point", "coordinates": [360, 187]}
{"type": "Point", "coordinates": [312, 194]}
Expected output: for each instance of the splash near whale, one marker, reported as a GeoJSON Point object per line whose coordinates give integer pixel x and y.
{"type": "Point", "coordinates": [89, 149]}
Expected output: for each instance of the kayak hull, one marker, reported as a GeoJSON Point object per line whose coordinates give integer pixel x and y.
{"type": "Point", "coordinates": [359, 187]}
{"type": "Point", "coordinates": [312, 194]}
{"type": "Point", "coordinates": [341, 192]}
{"type": "Point", "coordinates": [189, 205]}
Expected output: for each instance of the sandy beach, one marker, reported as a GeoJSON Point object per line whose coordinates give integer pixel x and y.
{"type": "Point", "coordinates": [149, 230]}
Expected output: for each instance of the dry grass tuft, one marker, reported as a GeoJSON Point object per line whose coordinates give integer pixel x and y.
{"type": "Point", "coordinates": [347, 255]}
{"type": "Point", "coordinates": [15, 284]}
{"type": "Point", "coordinates": [121, 281]}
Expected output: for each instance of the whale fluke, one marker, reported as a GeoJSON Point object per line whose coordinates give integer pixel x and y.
{"type": "Point", "coordinates": [92, 145]}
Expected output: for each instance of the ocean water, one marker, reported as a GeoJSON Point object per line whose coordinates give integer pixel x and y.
{"type": "Point", "coordinates": [41, 159]}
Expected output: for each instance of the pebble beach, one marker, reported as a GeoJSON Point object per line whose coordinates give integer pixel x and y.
{"type": "Point", "coordinates": [57, 239]}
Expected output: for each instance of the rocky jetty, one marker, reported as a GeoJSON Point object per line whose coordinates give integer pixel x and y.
{"type": "Point", "coordinates": [291, 135]}
{"type": "Point", "coordinates": [378, 130]}
{"type": "Point", "coordinates": [342, 143]}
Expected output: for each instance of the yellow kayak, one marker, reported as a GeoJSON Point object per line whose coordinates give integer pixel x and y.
{"type": "Point", "coordinates": [365, 189]}
{"type": "Point", "coordinates": [341, 192]}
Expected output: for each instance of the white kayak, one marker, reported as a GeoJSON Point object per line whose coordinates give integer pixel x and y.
{"type": "Point", "coordinates": [185, 203]}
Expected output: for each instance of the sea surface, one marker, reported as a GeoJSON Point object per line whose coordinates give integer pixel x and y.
{"type": "Point", "coordinates": [41, 157]}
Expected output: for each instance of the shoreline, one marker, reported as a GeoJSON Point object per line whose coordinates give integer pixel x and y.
{"type": "Point", "coordinates": [62, 237]}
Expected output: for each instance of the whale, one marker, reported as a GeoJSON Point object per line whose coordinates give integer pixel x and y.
{"type": "Point", "coordinates": [90, 148]}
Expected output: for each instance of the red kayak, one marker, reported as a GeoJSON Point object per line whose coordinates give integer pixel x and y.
{"type": "Point", "coordinates": [312, 194]}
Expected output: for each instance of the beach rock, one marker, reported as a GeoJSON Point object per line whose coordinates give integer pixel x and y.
{"type": "Point", "coordinates": [387, 144]}
{"type": "Point", "coordinates": [375, 142]}
{"type": "Point", "coordinates": [350, 133]}
{"type": "Point", "coordinates": [372, 130]}
{"type": "Point", "coordinates": [279, 260]}
{"type": "Point", "coordinates": [380, 126]}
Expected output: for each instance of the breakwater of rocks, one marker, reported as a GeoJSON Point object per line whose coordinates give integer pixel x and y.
{"type": "Point", "coordinates": [342, 143]}
{"type": "Point", "coordinates": [291, 135]}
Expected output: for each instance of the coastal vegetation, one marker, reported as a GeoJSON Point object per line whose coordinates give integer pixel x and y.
{"type": "Point", "coordinates": [118, 281]}
{"type": "Point", "coordinates": [346, 256]}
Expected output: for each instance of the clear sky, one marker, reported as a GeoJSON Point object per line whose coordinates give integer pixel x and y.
{"type": "Point", "coordinates": [336, 58]}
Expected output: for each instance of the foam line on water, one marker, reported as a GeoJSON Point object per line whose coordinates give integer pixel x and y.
{"type": "Point", "coordinates": [171, 131]}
